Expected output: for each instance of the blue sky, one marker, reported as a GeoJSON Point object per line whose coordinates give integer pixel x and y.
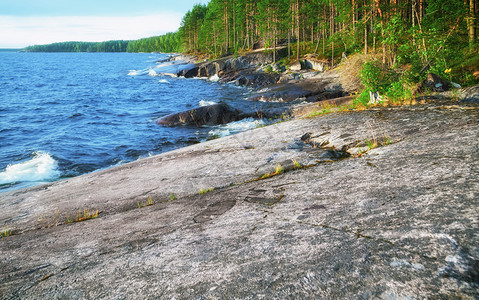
{"type": "Point", "coordinates": [30, 22]}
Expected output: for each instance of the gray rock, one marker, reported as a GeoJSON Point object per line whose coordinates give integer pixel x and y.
{"type": "Point", "coordinates": [470, 94]}
{"type": "Point", "coordinates": [189, 73]}
{"type": "Point", "coordinates": [296, 66]}
{"type": "Point", "coordinates": [316, 65]}
{"type": "Point", "coordinates": [311, 89]}
{"type": "Point", "coordinates": [236, 64]}
{"type": "Point", "coordinates": [215, 114]}
{"type": "Point", "coordinates": [396, 222]}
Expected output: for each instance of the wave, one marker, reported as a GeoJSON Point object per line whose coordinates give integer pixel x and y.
{"type": "Point", "coordinates": [41, 167]}
{"type": "Point", "coordinates": [137, 72]}
{"type": "Point", "coordinates": [214, 78]}
{"type": "Point", "coordinates": [163, 81]}
{"type": "Point", "coordinates": [206, 103]}
{"type": "Point", "coordinates": [235, 127]}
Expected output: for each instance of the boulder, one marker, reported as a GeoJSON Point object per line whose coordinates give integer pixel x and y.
{"type": "Point", "coordinates": [210, 69]}
{"type": "Point", "coordinates": [282, 93]}
{"type": "Point", "coordinates": [202, 72]}
{"type": "Point", "coordinates": [215, 114]}
{"type": "Point", "coordinates": [437, 84]}
{"type": "Point", "coordinates": [296, 66]}
{"type": "Point", "coordinates": [220, 66]}
{"type": "Point", "coordinates": [238, 63]}
{"type": "Point", "coordinates": [193, 72]}
{"type": "Point", "coordinates": [207, 69]}
{"type": "Point", "coordinates": [256, 79]}
{"type": "Point", "coordinates": [315, 65]}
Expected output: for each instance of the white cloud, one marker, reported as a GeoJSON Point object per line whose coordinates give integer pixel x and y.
{"type": "Point", "coordinates": [23, 31]}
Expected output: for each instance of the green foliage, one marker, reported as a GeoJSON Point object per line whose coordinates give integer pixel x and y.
{"type": "Point", "coordinates": [363, 98]}
{"type": "Point", "coordinates": [205, 191]}
{"type": "Point", "coordinates": [425, 35]}
{"type": "Point", "coordinates": [108, 46]}
{"type": "Point", "coordinates": [169, 43]}
{"type": "Point", "coordinates": [5, 232]}
{"type": "Point", "coordinates": [374, 77]}
{"type": "Point", "coordinates": [398, 92]}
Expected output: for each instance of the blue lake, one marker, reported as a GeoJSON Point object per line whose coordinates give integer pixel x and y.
{"type": "Point", "coordinates": [67, 114]}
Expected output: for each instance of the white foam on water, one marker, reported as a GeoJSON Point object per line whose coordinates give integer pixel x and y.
{"type": "Point", "coordinates": [235, 127]}
{"type": "Point", "coordinates": [163, 81]}
{"type": "Point", "coordinates": [206, 103]}
{"type": "Point", "coordinates": [138, 72]}
{"type": "Point", "coordinates": [214, 78]}
{"type": "Point", "coordinates": [152, 73]}
{"type": "Point", "coordinates": [42, 167]}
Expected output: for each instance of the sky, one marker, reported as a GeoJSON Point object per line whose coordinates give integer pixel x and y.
{"type": "Point", "coordinates": [35, 22]}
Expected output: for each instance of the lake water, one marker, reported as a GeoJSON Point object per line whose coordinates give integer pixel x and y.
{"type": "Point", "coordinates": [67, 114]}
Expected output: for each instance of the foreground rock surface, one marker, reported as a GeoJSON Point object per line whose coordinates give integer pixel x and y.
{"type": "Point", "coordinates": [399, 221]}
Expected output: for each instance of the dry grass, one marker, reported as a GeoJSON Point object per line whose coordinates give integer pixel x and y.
{"type": "Point", "coordinates": [350, 69]}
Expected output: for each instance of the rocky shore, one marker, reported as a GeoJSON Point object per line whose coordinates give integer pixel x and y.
{"type": "Point", "coordinates": [373, 204]}
{"type": "Point", "coordinates": [304, 81]}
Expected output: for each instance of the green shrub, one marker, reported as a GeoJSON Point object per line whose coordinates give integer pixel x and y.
{"type": "Point", "coordinates": [363, 98]}
{"type": "Point", "coordinates": [374, 77]}
{"type": "Point", "coordinates": [398, 92]}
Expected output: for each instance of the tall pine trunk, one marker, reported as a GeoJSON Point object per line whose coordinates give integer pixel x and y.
{"type": "Point", "coordinates": [297, 29]}
{"type": "Point", "coordinates": [471, 23]}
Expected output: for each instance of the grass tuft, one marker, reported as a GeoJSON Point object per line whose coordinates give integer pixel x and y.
{"type": "Point", "coordinates": [6, 232]}
{"type": "Point", "coordinates": [148, 203]}
{"type": "Point", "coordinates": [86, 215]}
{"type": "Point", "coordinates": [204, 191]}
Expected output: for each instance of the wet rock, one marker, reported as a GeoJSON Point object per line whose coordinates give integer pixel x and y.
{"type": "Point", "coordinates": [189, 73]}
{"type": "Point", "coordinates": [220, 113]}
{"type": "Point", "coordinates": [207, 69]}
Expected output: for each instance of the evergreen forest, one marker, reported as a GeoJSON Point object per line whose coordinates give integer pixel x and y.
{"type": "Point", "coordinates": [419, 34]}
{"type": "Point", "coordinates": [422, 34]}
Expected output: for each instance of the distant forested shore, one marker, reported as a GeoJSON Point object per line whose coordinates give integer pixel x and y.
{"type": "Point", "coordinates": [409, 36]}
{"type": "Point", "coordinates": [169, 42]}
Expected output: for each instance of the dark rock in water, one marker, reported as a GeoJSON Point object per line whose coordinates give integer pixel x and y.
{"type": "Point", "coordinates": [190, 73]}
{"type": "Point", "coordinates": [220, 113]}
{"type": "Point", "coordinates": [220, 66]}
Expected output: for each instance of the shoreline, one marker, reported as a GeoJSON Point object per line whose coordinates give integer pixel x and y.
{"type": "Point", "coordinates": [333, 203]}
{"type": "Point", "coordinates": [215, 219]}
